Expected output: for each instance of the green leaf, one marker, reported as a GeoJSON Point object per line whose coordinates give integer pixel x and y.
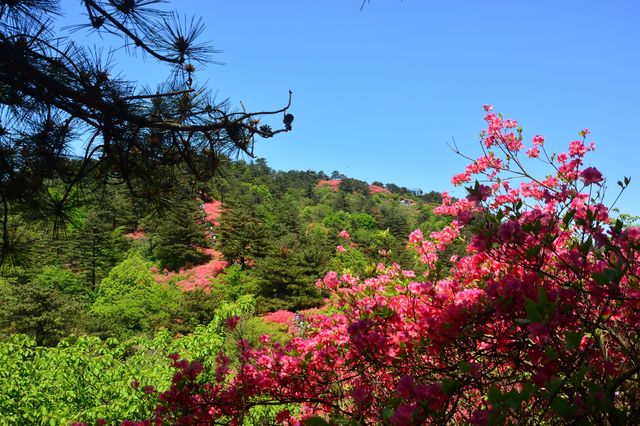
{"type": "Point", "coordinates": [512, 400]}
{"type": "Point", "coordinates": [533, 252]}
{"type": "Point", "coordinates": [618, 226]}
{"type": "Point", "coordinates": [533, 315]}
{"type": "Point", "coordinates": [550, 352]}
{"type": "Point", "coordinates": [600, 278]}
{"type": "Point", "coordinates": [388, 412]}
{"type": "Point", "coordinates": [585, 247]}
{"type": "Point", "coordinates": [607, 276]}
{"type": "Point", "coordinates": [494, 395]}
{"type": "Point", "coordinates": [573, 339]}
{"type": "Point", "coordinates": [568, 217]}
{"type": "Point", "coordinates": [316, 421]}
{"type": "Point", "coordinates": [542, 297]}
{"type": "Point", "coordinates": [450, 386]}
{"type": "Point", "coordinates": [562, 407]}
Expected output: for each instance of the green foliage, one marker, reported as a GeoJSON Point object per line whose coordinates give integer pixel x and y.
{"type": "Point", "coordinates": [278, 229]}
{"type": "Point", "coordinates": [283, 230]}
{"type": "Point", "coordinates": [337, 221]}
{"type": "Point", "coordinates": [242, 307]}
{"type": "Point", "coordinates": [363, 221]}
{"type": "Point", "coordinates": [84, 379]}
{"type": "Point", "coordinates": [286, 279]}
{"type": "Point", "coordinates": [254, 327]}
{"type": "Point", "coordinates": [351, 261]}
{"type": "Point", "coordinates": [56, 278]}
{"type": "Point", "coordinates": [287, 218]}
{"type": "Point", "coordinates": [176, 230]}
{"type": "Point", "coordinates": [17, 243]}
{"type": "Point", "coordinates": [192, 309]}
{"type": "Point", "coordinates": [242, 235]}
{"type": "Point", "coordinates": [96, 246]}
{"type": "Point", "coordinates": [235, 282]}
{"type": "Point", "coordinates": [350, 185]}
{"type": "Point", "coordinates": [130, 301]}
{"type": "Point", "coordinates": [396, 220]}
{"type": "Point", "coordinates": [429, 221]}
{"type": "Point", "coordinates": [47, 308]}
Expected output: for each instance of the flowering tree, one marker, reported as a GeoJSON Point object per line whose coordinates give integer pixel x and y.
{"type": "Point", "coordinates": [536, 322]}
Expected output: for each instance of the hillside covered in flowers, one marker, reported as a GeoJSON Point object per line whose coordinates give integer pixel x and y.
{"type": "Point", "coordinates": [291, 298]}
{"type": "Point", "coordinates": [127, 274]}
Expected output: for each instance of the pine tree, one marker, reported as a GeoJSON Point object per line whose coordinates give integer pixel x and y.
{"type": "Point", "coordinates": [56, 93]}
{"type": "Point", "coordinates": [242, 237]}
{"type": "Point", "coordinates": [178, 236]}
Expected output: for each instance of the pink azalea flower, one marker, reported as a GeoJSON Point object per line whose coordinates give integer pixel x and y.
{"type": "Point", "coordinates": [533, 152]}
{"type": "Point", "coordinates": [591, 175]}
{"type": "Point", "coordinates": [415, 236]}
{"type": "Point", "coordinates": [331, 280]}
{"type": "Point", "coordinates": [562, 157]}
{"type": "Point", "coordinates": [359, 394]}
{"type": "Point", "coordinates": [232, 322]}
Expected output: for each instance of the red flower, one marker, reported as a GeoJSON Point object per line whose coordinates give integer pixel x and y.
{"type": "Point", "coordinates": [591, 175]}
{"type": "Point", "coordinates": [232, 321]}
{"type": "Point", "coordinates": [283, 415]}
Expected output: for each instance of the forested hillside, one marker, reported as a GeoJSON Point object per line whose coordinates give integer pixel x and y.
{"type": "Point", "coordinates": [116, 266]}
{"type": "Point", "coordinates": [114, 272]}
{"type": "Point", "coordinates": [154, 271]}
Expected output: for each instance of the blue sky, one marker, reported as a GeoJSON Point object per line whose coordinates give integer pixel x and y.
{"type": "Point", "coordinates": [379, 94]}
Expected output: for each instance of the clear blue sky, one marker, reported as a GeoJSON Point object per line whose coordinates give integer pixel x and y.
{"type": "Point", "coordinates": [379, 94]}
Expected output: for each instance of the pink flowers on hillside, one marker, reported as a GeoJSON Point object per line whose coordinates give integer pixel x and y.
{"type": "Point", "coordinates": [212, 210]}
{"type": "Point", "coordinates": [197, 277]}
{"type": "Point", "coordinates": [334, 184]}
{"type": "Point", "coordinates": [281, 317]}
{"type": "Point", "coordinates": [534, 319]}
{"type": "Point", "coordinates": [135, 235]}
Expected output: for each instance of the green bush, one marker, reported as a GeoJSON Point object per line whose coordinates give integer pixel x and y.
{"type": "Point", "coordinates": [130, 301]}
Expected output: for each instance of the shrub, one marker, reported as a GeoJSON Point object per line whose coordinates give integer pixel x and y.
{"type": "Point", "coordinates": [129, 300]}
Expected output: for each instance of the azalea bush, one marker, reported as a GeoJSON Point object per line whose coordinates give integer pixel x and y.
{"type": "Point", "coordinates": [535, 322]}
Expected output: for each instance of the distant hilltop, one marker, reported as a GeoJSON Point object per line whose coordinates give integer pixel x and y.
{"type": "Point", "coordinates": [350, 185]}
{"type": "Point", "coordinates": [334, 184]}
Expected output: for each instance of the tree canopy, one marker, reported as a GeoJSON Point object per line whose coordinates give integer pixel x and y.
{"type": "Point", "coordinates": [56, 94]}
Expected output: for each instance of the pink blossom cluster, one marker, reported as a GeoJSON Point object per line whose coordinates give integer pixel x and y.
{"type": "Point", "coordinates": [212, 211]}
{"type": "Point", "coordinates": [334, 184]}
{"type": "Point", "coordinates": [135, 235]}
{"type": "Point", "coordinates": [196, 277]}
{"type": "Point", "coordinates": [281, 317]}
